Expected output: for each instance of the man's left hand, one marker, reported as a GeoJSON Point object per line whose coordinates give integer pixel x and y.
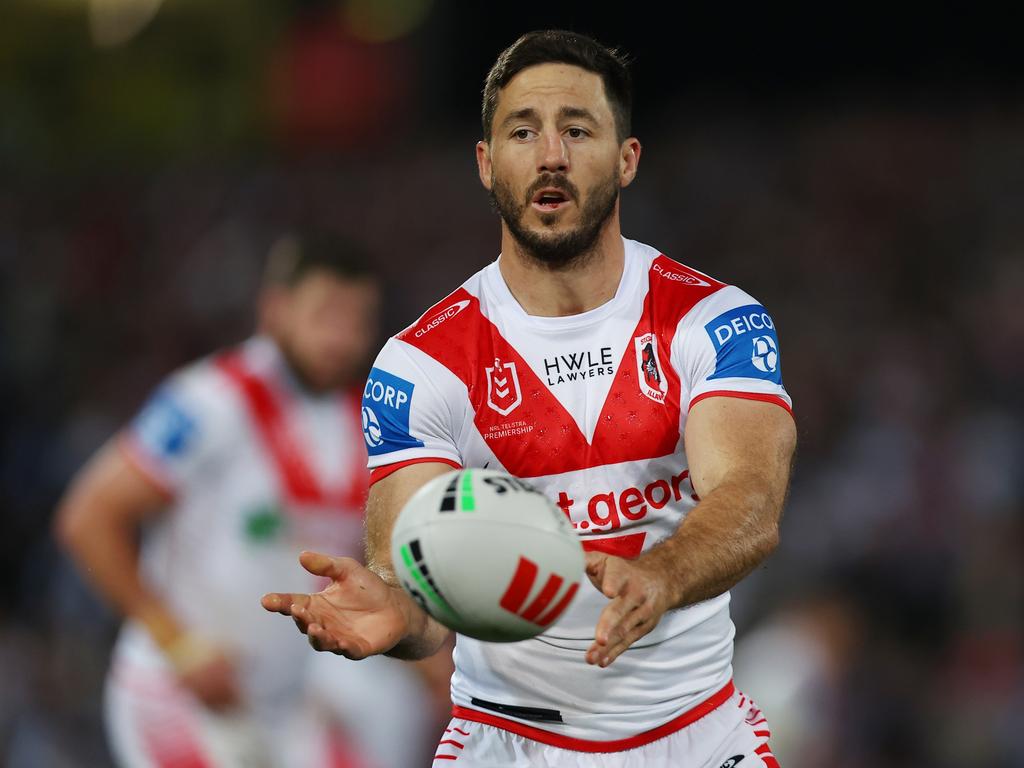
{"type": "Point", "coordinates": [638, 597]}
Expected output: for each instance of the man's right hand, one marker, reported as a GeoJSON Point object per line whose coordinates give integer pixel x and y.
{"type": "Point", "coordinates": [357, 615]}
{"type": "Point", "coordinates": [213, 681]}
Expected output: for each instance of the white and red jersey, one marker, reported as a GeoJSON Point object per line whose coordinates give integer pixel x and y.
{"type": "Point", "coordinates": [255, 469]}
{"type": "Point", "coordinates": [591, 410]}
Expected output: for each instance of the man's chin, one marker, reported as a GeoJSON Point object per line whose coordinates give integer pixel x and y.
{"type": "Point", "coordinates": [551, 220]}
{"type": "Point", "coordinates": [549, 226]}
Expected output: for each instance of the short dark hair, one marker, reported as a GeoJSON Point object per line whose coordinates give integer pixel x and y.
{"type": "Point", "coordinates": [559, 46]}
{"type": "Point", "coordinates": [295, 254]}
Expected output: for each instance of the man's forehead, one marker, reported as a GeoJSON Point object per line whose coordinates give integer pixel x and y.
{"type": "Point", "coordinates": [543, 84]}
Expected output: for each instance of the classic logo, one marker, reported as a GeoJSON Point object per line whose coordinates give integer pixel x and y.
{"type": "Point", "coordinates": [679, 277]}
{"type": "Point", "coordinates": [445, 314]}
{"type": "Point", "coordinates": [522, 584]}
{"type": "Point", "coordinates": [732, 762]}
{"type": "Point", "coordinates": [503, 393]}
{"type": "Point", "coordinates": [648, 367]}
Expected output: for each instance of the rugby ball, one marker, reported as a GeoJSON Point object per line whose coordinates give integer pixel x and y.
{"type": "Point", "coordinates": [487, 555]}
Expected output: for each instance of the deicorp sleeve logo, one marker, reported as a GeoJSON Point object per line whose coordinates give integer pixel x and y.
{"type": "Point", "coordinates": [387, 400]}
{"type": "Point", "coordinates": [164, 428]}
{"type": "Point", "coordinates": [746, 345]}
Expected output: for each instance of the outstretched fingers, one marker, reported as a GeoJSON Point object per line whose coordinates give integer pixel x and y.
{"type": "Point", "coordinates": [334, 568]}
{"type": "Point", "coordinates": [284, 602]}
{"type": "Point", "coordinates": [343, 645]}
{"type": "Point", "coordinates": [614, 625]}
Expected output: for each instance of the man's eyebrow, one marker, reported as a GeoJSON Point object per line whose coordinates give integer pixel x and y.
{"type": "Point", "coordinates": [577, 112]}
{"type": "Point", "coordinates": [526, 113]}
{"type": "Point", "coordinates": [529, 113]}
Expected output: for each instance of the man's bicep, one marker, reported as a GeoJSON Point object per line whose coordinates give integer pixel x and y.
{"type": "Point", "coordinates": [387, 497]}
{"type": "Point", "coordinates": [735, 438]}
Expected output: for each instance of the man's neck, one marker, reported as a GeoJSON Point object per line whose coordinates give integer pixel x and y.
{"type": "Point", "coordinates": [291, 373]}
{"type": "Point", "coordinates": [578, 288]}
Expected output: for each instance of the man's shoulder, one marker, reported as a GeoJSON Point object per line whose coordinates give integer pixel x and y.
{"type": "Point", "coordinates": [670, 273]}
{"type": "Point", "coordinates": [202, 387]}
{"type": "Point", "coordinates": [673, 292]}
{"type": "Point", "coordinates": [450, 317]}
{"type": "Point", "coordinates": [188, 414]}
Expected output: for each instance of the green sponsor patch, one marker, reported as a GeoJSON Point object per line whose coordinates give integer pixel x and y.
{"type": "Point", "coordinates": [263, 523]}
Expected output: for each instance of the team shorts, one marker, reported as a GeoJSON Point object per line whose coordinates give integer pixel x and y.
{"type": "Point", "coordinates": [733, 735]}
{"type": "Point", "coordinates": [152, 722]}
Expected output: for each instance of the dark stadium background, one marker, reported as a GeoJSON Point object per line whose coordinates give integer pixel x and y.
{"type": "Point", "coordinates": [859, 171]}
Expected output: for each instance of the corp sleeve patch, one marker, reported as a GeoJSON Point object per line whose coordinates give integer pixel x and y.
{"type": "Point", "coordinates": [746, 345]}
{"type": "Point", "coordinates": [387, 400]}
{"type": "Point", "coordinates": [164, 428]}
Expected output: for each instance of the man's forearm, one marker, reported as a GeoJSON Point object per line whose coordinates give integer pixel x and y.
{"type": "Point", "coordinates": [721, 540]}
{"type": "Point", "coordinates": [425, 637]}
{"type": "Point", "coordinates": [108, 558]}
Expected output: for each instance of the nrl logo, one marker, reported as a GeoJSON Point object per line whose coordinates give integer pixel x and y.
{"type": "Point", "coordinates": [503, 393]}
{"type": "Point", "coordinates": [648, 368]}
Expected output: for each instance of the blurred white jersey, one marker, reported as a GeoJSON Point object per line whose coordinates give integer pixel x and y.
{"type": "Point", "coordinates": [591, 410]}
{"type": "Point", "coordinates": [255, 469]}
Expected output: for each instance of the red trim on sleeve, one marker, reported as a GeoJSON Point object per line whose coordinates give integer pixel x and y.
{"type": "Point", "coordinates": [381, 472]}
{"type": "Point", "coordinates": [585, 745]}
{"type": "Point", "coordinates": [764, 398]}
{"type": "Point", "coordinates": [145, 466]}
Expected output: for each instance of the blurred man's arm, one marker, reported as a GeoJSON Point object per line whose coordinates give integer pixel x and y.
{"type": "Point", "coordinates": [365, 611]}
{"type": "Point", "coordinates": [98, 524]}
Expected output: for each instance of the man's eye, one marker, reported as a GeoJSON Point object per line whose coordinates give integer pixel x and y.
{"type": "Point", "coordinates": [576, 133]}
{"type": "Point", "coordinates": [522, 133]}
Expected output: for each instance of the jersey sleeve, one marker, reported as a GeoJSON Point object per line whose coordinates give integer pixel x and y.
{"type": "Point", "coordinates": [728, 345]}
{"type": "Point", "coordinates": [179, 433]}
{"type": "Point", "coordinates": [406, 418]}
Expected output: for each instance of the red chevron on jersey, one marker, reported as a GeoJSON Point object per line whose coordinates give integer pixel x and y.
{"type": "Point", "coordinates": [299, 482]}
{"type": "Point", "coordinates": [640, 416]}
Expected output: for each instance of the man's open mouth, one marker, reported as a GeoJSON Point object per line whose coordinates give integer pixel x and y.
{"type": "Point", "coordinates": [550, 199]}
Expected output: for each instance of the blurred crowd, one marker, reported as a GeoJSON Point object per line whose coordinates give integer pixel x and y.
{"type": "Point", "coordinates": [887, 241]}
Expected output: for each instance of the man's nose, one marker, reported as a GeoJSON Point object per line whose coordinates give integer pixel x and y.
{"type": "Point", "coordinates": [554, 154]}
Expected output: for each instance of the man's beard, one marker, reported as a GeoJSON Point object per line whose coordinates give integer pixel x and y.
{"type": "Point", "coordinates": [303, 377]}
{"type": "Point", "coordinates": [568, 249]}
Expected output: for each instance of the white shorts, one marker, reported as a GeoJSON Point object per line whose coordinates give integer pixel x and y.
{"type": "Point", "coordinates": [733, 735]}
{"type": "Point", "coordinates": [152, 722]}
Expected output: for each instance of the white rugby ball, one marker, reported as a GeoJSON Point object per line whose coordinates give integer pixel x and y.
{"type": "Point", "coordinates": [487, 555]}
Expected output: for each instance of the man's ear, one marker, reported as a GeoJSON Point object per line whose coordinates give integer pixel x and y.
{"type": "Point", "coordinates": [629, 161]}
{"type": "Point", "coordinates": [273, 303]}
{"type": "Point", "coordinates": [483, 163]}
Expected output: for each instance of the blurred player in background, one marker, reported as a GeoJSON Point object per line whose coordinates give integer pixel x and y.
{"type": "Point", "coordinates": [235, 464]}
{"type": "Point", "coordinates": [643, 397]}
